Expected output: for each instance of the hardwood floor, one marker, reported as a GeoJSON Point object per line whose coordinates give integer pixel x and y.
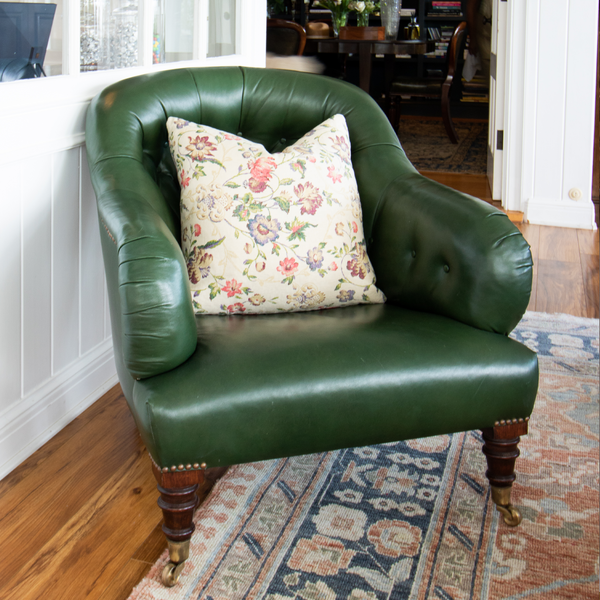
{"type": "Point", "coordinates": [78, 519]}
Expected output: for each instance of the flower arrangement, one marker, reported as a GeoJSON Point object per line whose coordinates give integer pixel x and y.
{"type": "Point", "coordinates": [363, 10]}
{"type": "Point", "coordinates": [341, 8]}
{"type": "Point", "coordinates": [339, 12]}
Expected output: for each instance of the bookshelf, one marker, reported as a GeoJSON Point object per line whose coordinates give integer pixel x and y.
{"type": "Point", "coordinates": [437, 19]}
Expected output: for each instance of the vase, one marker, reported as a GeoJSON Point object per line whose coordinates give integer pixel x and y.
{"type": "Point", "coordinates": [362, 19]}
{"type": "Point", "coordinates": [339, 20]}
{"type": "Point", "coordinates": [390, 17]}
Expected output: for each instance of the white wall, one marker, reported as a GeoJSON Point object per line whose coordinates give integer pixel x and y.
{"type": "Point", "coordinates": [56, 354]}
{"type": "Point", "coordinates": [550, 97]}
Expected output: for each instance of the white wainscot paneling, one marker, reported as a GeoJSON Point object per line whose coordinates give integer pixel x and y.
{"type": "Point", "coordinates": [92, 272]}
{"type": "Point", "coordinates": [65, 259]}
{"type": "Point", "coordinates": [56, 354]}
{"type": "Point", "coordinates": [36, 273]}
{"type": "Point", "coordinates": [10, 286]}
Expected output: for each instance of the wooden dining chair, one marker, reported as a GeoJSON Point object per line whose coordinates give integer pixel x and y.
{"type": "Point", "coordinates": [285, 38]}
{"type": "Point", "coordinates": [432, 88]}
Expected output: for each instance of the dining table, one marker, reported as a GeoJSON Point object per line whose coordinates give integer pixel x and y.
{"type": "Point", "coordinates": [366, 50]}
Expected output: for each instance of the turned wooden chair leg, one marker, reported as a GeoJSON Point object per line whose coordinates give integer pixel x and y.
{"type": "Point", "coordinates": [446, 116]}
{"type": "Point", "coordinates": [178, 506]}
{"type": "Point", "coordinates": [178, 501]}
{"type": "Point", "coordinates": [501, 451]}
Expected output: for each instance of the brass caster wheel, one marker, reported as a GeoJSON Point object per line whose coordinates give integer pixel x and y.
{"type": "Point", "coordinates": [171, 573]}
{"type": "Point", "coordinates": [501, 497]}
{"type": "Point", "coordinates": [512, 517]}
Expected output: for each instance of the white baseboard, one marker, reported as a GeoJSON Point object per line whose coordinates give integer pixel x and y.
{"type": "Point", "coordinates": [578, 214]}
{"type": "Point", "coordinates": [32, 421]}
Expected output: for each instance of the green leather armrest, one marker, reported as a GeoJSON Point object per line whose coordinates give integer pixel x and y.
{"type": "Point", "coordinates": [157, 326]}
{"type": "Point", "coordinates": [441, 251]}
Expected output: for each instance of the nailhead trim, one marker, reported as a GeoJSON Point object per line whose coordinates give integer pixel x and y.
{"type": "Point", "coordinates": [511, 421]}
{"type": "Point", "coordinates": [110, 235]}
{"type": "Point", "coordinates": [188, 467]}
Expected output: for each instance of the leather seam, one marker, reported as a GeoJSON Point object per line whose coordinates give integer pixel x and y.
{"type": "Point", "coordinates": [198, 93]}
{"type": "Point", "coordinates": [378, 144]}
{"type": "Point", "coordinates": [243, 72]}
{"type": "Point", "coordinates": [120, 156]}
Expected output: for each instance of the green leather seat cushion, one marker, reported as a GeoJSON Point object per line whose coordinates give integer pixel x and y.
{"type": "Point", "coordinates": [268, 386]}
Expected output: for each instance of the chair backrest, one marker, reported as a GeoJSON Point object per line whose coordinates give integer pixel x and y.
{"type": "Point", "coordinates": [285, 38]}
{"type": "Point", "coordinates": [456, 48]}
{"type": "Point", "coordinates": [136, 183]}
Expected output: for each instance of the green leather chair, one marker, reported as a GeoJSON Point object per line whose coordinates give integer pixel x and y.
{"type": "Point", "coordinates": [212, 391]}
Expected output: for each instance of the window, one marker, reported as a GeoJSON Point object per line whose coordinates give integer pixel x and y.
{"type": "Point", "coordinates": [102, 35]}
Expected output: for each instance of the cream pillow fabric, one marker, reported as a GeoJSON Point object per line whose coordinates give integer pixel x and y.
{"type": "Point", "coordinates": [266, 233]}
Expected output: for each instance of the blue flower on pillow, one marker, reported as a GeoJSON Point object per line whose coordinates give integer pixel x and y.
{"type": "Point", "coordinates": [263, 229]}
{"type": "Point", "coordinates": [314, 259]}
{"type": "Point", "coordinates": [346, 295]}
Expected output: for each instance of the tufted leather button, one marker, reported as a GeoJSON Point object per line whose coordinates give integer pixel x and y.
{"type": "Point", "coordinates": [447, 268]}
{"type": "Point", "coordinates": [283, 140]}
{"type": "Point", "coordinates": [413, 253]}
{"type": "Point", "coordinates": [239, 133]}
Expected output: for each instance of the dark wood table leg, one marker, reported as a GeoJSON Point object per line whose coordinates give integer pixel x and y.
{"type": "Point", "coordinates": [364, 64]}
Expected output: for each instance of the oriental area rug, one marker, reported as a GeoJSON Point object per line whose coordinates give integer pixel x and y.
{"type": "Point", "coordinates": [414, 520]}
{"type": "Point", "coordinates": [429, 149]}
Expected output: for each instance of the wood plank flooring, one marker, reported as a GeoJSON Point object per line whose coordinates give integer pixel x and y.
{"type": "Point", "coordinates": [78, 519]}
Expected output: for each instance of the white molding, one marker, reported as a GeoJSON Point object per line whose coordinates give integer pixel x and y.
{"type": "Point", "coordinates": [549, 110]}
{"type": "Point", "coordinates": [564, 213]}
{"type": "Point", "coordinates": [30, 422]}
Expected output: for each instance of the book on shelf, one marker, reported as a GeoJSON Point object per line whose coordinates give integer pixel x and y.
{"type": "Point", "coordinates": [444, 13]}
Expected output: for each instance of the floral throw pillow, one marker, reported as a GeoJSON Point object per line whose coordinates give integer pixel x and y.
{"type": "Point", "coordinates": [266, 233]}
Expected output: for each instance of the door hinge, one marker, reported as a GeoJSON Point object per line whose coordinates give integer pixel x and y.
{"type": "Point", "coordinates": [500, 139]}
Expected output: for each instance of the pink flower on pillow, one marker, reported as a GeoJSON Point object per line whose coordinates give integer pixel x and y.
{"type": "Point", "coordinates": [308, 197]}
{"type": "Point", "coordinates": [261, 168]}
{"type": "Point", "coordinates": [256, 186]}
{"type": "Point", "coordinates": [238, 307]}
{"type": "Point", "coordinates": [335, 177]}
{"type": "Point", "coordinates": [197, 229]}
{"type": "Point", "coordinates": [288, 266]}
{"type": "Point", "coordinates": [185, 181]}
{"type": "Point", "coordinates": [232, 288]}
